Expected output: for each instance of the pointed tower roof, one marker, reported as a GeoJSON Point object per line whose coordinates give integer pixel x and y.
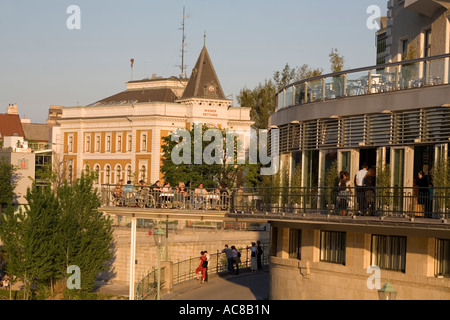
{"type": "Point", "coordinates": [203, 83]}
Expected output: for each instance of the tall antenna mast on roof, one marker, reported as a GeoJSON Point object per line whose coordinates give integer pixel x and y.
{"type": "Point", "coordinates": [183, 45]}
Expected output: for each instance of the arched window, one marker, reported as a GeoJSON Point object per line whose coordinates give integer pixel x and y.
{"type": "Point", "coordinates": [143, 173]}
{"type": "Point", "coordinates": [97, 174]}
{"type": "Point", "coordinates": [108, 175]}
{"type": "Point", "coordinates": [129, 173]}
{"type": "Point", "coordinates": [118, 173]}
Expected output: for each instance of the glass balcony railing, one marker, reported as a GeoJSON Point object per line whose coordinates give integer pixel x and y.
{"type": "Point", "coordinates": [389, 77]}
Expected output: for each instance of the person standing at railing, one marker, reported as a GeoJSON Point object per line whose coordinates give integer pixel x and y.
{"type": "Point", "coordinates": [253, 258]}
{"type": "Point", "coordinates": [359, 186]}
{"type": "Point", "coordinates": [369, 183]}
{"type": "Point", "coordinates": [236, 257]}
{"type": "Point", "coordinates": [424, 194]}
{"type": "Point", "coordinates": [230, 260]}
{"type": "Point", "coordinates": [345, 193]}
{"type": "Point", "coordinates": [202, 266]}
{"type": "Point", "coordinates": [208, 258]}
{"type": "Point", "coordinates": [259, 253]}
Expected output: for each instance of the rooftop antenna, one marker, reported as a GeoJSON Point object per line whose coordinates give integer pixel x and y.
{"type": "Point", "coordinates": [183, 45]}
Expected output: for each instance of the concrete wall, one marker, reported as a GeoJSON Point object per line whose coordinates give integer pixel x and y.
{"type": "Point", "coordinates": [183, 244]}
{"type": "Point", "coordinates": [311, 279]}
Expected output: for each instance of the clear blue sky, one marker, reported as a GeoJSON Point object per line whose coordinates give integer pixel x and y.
{"type": "Point", "coordinates": [43, 63]}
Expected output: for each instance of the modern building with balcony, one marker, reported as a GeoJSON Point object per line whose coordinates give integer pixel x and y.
{"type": "Point", "coordinates": [396, 118]}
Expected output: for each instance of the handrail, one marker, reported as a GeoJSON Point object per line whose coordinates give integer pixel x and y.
{"type": "Point", "coordinates": [147, 287]}
{"type": "Point", "coordinates": [389, 77]}
{"type": "Point", "coordinates": [185, 270]}
{"type": "Point", "coordinates": [381, 66]}
{"type": "Point", "coordinates": [388, 201]}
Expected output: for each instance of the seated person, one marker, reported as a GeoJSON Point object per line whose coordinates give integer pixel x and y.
{"type": "Point", "coordinates": [199, 193]}
{"type": "Point", "coordinates": [128, 187]}
{"type": "Point", "coordinates": [118, 192]}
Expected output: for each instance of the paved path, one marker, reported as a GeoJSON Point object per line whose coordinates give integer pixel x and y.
{"type": "Point", "coordinates": [246, 286]}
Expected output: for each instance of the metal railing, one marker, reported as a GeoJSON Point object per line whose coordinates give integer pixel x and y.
{"type": "Point", "coordinates": [186, 270]}
{"type": "Point", "coordinates": [148, 197]}
{"type": "Point", "coordinates": [373, 201]}
{"type": "Point", "coordinates": [369, 201]}
{"type": "Point", "coordinates": [218, 264]}
{"type": "Point", "coordinates": [146, 289]}
{"type": "Point", "coordinates": [388, 77]}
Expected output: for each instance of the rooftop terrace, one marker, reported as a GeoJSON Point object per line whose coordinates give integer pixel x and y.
{"type": "Point", "coordinates": [391, 77]}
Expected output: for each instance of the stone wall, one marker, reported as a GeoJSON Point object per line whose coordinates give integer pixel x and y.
{"type": "Point", "coordinates": [312, 279]}
{"type": "Point", "coordinates": [184, 244]}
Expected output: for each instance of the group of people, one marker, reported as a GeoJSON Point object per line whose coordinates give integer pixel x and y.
{"type": "Point", "coordinates": [365, 193]}
{"type": "Point", "coordinates": [365, 181]}
{"type": "Point", "coordinates": [234, 257]}
{"type": "Point", "coordinates": [165, 196]}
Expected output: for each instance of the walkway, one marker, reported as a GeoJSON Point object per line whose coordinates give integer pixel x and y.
{"type": "Point", "coordinates": [245, 286]}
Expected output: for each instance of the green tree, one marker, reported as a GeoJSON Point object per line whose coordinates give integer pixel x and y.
{"type": "Point", "coordinates": [261, 101]}
{"type": "Point", "coordinates": [86, 236]}
{"type": "Point", "coordinates": [211, 175]}
{"type": "Point", "coordinates": [11, 234]}
{"type": "Point", "coordinates": [337, 61]}
{"type": "Point", "coordinates": [56, 230]}
{"type": "Point", "coordinates": [8, 181]}
{"type": "Point", "coordinates": [40, 228]}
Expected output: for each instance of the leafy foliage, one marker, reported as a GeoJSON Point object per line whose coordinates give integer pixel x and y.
{"type": "Point", "coordinates": [8, 181]}
{"type": "Point", "coordinates": [55, 230]}
{"type": "Point", "coordinates": [210, 175]}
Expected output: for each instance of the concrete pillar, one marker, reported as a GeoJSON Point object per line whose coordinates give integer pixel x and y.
{"type": "Point", "coordinates": [168, 275]}
{"type": "Point", "coordinates": [132, 258]}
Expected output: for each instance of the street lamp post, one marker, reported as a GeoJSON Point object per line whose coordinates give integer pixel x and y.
{"type": "Point", "coordinates": [387, 292]}
{"type": "Point", "coordinates": [159, 242]}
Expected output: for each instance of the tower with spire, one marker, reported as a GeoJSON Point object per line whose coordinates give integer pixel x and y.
{"type": "Point", "coordinates": [204, 85]}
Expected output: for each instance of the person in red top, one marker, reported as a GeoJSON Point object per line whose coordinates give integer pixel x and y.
{"type": "Point", "coordinates": [202, 266]}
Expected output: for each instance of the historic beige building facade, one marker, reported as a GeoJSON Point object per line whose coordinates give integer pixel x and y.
{"type": "Point", "coordinates": [120, 137]}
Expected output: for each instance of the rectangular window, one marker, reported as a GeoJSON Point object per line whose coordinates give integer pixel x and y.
{"type": "Point", "coordinates": [144, 142]}
{"type": "Point", "coordinates": [88, 143]}
{"type": "Point", "coordinates": [130, 142]}
{"type": "Point", "coordinates": [108, 143]}
{"type": "Point", "coordinates": [70, 143]}
{"type": "Point", "coordinates": [332, 247]}
{"type": "Point", "coordinates": [97, 144]}
{"type": "Point", "coordinates": [389, 252]}
{"type": "Point", "coordinates": [295, 243]}
{"type": "Point", "coordinates": [119, 144]}
{"type": "Point", "coordinates": [442, 258]}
